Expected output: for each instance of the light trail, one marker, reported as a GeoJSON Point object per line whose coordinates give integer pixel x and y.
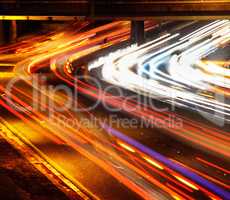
{"type": "Point", "coordinates": [173, 78]}
{"type": "Point", "coordinates": [177, 86]}
{"type": "Point", "coordinates": [224, 194]}
{"type": "Point", "coordinates": [120, 158]}
{"type": "Point", "coordinates": [97, 96]}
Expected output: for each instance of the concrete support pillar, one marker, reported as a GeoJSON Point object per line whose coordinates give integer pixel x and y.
{"type": "Point", "coordinates": [1, 32]}
{"type": "Point", "coordinates": [137, 32]}
{"type": "Point", "coordinates": [92, 8]}
{"type": "Point", "coordinates": [13, 31]}
{"type": "Point", "coordinates": [9, 31]}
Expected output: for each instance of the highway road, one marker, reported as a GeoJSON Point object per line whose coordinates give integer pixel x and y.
{"type": "Point", "coordinates": [79, 102]}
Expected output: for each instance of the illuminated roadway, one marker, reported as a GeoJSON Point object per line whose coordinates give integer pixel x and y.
{"type": "Point", "coordinates": [104, 160]}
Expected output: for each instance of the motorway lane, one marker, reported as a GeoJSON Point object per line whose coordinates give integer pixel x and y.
{"type": "Point", "coordinates": [66, 159]}
{"type": "Point", "coordinates": [116, 70]}
{"type": "Point", "coordinates": [167, 71]}
{"type": "Point", "coordinates": [48, 148]}
{"type": "Point", "coordinates": [102, 189]}
{"type": "Point", "coordinates": [121, 156]}
{"type": "Point", "coordinates": [21, 100]}
{"type": "Point", "coordinates": [167, 145]}
{"type": "Point", "coordinates": [65, 77]}
{"type": "Point", "coordinates": [56, 152]}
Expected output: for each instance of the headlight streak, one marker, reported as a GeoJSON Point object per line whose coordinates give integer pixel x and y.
{"type": "Point", "coordinates": [182, 70]}
{"type": "Point", "coordinates": [29, 66]}
{"type": "Point", "coordinates": [99, 146]}
{"type": "Point", "coordinates": [93, 94]}
{"type": "Point", "coordinates": [222, 193]}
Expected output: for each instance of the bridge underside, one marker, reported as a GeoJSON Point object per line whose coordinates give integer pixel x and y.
{"type": "Point", "coordinates": [113, 9]}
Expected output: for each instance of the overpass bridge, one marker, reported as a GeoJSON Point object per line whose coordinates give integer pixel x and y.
{"type": "Point", "coordinates": [115, 9]}
{"type": "Point", "coordinates": [135, 10]}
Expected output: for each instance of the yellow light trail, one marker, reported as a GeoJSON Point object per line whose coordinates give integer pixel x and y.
{"type": "Point", "coordinates": [153, 163]}
{"type": "Point", "coordinates": [6, 74]}
{"type": "Point", "coordinates": [186, 182]}
{"type": "Point", "coordinates": [127, 147]}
